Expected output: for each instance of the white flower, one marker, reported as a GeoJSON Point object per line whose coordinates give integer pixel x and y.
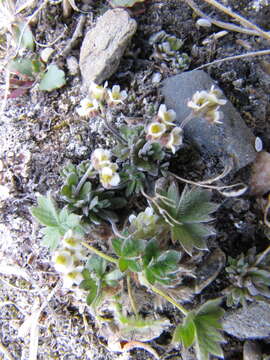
{"type": "Point", "coordinates": [98, 92]}
{"type": "Point", "coordinates": [108, 176]}
{"type": "Point", "coordinates": [63, 261]}
{"type": "Point", "coordinates": [166, 116]}
{"type": "Point", "coordinates": [71, 240]}
{"type": "Point", "coordinates": [100, 158]}
{"type": "Point", "coordinates": [156, 129]}
{"type": "Point", "coordinates": [175, 139]}
{"type": "Point", "coordinates": [214, 116]}
{"type": "Point", "coordinates": [73, 277]}
{"type": "Point", "coordinates": [88, 107]}
{"type": "Point", "coordinates": [116, 96]}
{"type": "Point", "coordinates": [203, 101]}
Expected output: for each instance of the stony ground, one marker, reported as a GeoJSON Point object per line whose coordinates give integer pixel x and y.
{"type": "Point", "coordinates": [41, 131]}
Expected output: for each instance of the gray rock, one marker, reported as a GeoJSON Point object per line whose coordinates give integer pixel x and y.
{"type": "Point", "coordinates": [250, 322]}
{"type": "Point", "coordinates": [231, 141]}
{"type": "Point", "coordinates": [209, 270]}
{"type": "Point", "coordinates": [252, 351]}
{"type": "Point", "coordinates": [104, 45]}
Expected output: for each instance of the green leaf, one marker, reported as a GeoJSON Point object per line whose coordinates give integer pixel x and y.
{"type": "Point", "coordinates": [185, 334]}
{"type": "Point", "coordinates": [117, 245]}
{"type": "Point", "coordinates": [195, 206]}
{"type": "Point", "coordinates": [123, 264]}
{"type": "Point", "coordinates": [140, 328]}
{"type": "Point", "coordinates": [166, 263]}
{"type": "Point", "coordinates": [46, 212]}
{"type": "Point", "coordinates": [24, 36]}
{"type": "Point", "coordinates": [201, 328]}
{"type": "Point", "coordinates": [132, 248]}
{"type": "Point", "coordinates": [134, 265]}
{"type": "Point", "coordinates": [54, 78]}
{"type": "Point", "coordinates": [151, 251]}
{"type": "Point", "coordinates": [191, 235]}
{"type": "Point", "coordinates": [22, 66]}
{"type": "Point", "coordinates": [51, 237]}
{"type": "Point", "coordinates": [113, 277]}
{"type": "Point", "coordinates": [97, 264]}
{"type": "Point", "coordinates": [124, 3]}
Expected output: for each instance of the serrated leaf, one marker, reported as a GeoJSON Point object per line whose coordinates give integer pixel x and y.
{"type": "Point", "coordinates": [195, 206]}
{"type": "Point", "coordinates": [185, 334]}
{"type": "Point", "coordinates": [131, 248]}
{"type": "Point", "coordinates": [97, 264]}
{"type": "Point", "coordinates": [51, 238]}
{"type": "Point", "coordinates": [54, 78]}
{"type": "Point", "coordinates": [46, 212]}
{"type": "Point", "coordinates": [201, 328]}
{"type": "Point", "coordinates": [166, 263]}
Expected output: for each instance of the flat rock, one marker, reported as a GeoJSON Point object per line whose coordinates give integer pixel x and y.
{"type": "Point", "coordinates": [104, 45]}
{"type": "Point", "coordinates": [250, 322]}
{"type": "Point", "coordinates": [231, 141]}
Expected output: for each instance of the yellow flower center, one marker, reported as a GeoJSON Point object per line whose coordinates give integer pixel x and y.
{"type": "Point", "coordinates": [155, 129]}
{"type": "Point", "coordinates": [61, 260]}
{"type": "Point", "coordinates": [71, 241]}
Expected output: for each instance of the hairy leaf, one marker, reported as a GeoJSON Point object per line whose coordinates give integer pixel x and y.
{"type": "Point", "coordinates": [54, 78]}
{"type": "Point", "coordinates": [201, 329]}
{"type": "Point", "coordinates": [185, 215]}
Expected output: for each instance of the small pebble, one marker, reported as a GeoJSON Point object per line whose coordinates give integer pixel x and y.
{"type": "Point", "coordinates": [258, 144]}
{"type": "Point", "coordinates": [203, 23]}
{"type": "Point", "coordinates": [156, 78]}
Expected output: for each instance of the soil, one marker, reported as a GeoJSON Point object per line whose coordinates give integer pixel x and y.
{"type": "Point", "coordinates": [40, 132]}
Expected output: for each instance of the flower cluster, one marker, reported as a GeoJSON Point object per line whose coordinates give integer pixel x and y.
{"type": "Point", "coordinates": [207, 104]}
{"type": "Point", "coordinates": [67, 260]}
{"type": "Point", "coordinates": [164, 131]}
{"type": "Point", "coordinates": [108, 175]}
{"type": "Point", "coordinates": [99, 96]}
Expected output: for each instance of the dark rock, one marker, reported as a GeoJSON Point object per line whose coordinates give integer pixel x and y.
{"type": "Point", "coordinates": [231, 141]}
{"type": "Point", "coordinates": [209, 270]}
{"type": "Point", "coordinates": [252, 351]}
{"type": "Point", "coordinates": [250, 322]}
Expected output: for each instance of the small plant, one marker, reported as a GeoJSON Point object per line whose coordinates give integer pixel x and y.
{"type": "Point", "coordinates": [249, 276]}
{"type": "Point", "coordinates": [34, 69]}
{"type": "Point", "coordinates": [167, 47]}
{"type": "Point", "coordinates": [141, 253]}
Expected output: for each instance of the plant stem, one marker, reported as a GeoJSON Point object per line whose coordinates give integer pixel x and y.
{"type": "Point", "coordinates": [187, 119]}
{"type": "Point", "coordinates": [99, 253]}
{"type": "Point", "coordinates": [113, 130]}
{"type": "Point", "coordinates": [131, 298]}
{"type": "Point", "coordinates": [83, 180]}
{"type": "Point", "coordinates": [169, 299]}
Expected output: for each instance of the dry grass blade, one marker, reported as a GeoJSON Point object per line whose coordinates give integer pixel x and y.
{"type": "Point", "coordinates": [15, 271]}
{"type": "Point", "coordinates": [137, 344]}
{"type": "Point", "coordinates": [221, 24]}
{"type": "Point", "coordinates": [34, 332]}
{"type": "Point", "coordinates": [236, 57]}
{"type": "Point", "coordinates": [238, 18]}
